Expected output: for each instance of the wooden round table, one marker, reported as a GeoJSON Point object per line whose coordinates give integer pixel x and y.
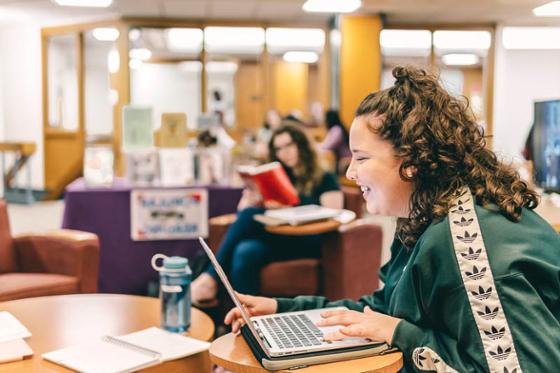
{"type": "Point", "coordinates": [233, 353]}
{"type": "Point", "coordinates": [64, 320]}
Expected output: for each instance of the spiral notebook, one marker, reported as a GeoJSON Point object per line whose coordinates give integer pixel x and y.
{"type": "Point", "coordinates": [127, 353]}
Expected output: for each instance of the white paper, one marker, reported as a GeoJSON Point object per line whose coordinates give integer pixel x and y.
{"type": "Point", "coordinates": [11, 328]}
{"type": "Point", "coordinates": [100, 356]}
{"type": "Point", "coordinates": [171, 345]}
{"type": "Point", "coordinates": [13, 350]}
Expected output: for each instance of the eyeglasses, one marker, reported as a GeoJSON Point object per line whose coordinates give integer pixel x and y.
{"type": "Point", "coordinates": [282, 147]}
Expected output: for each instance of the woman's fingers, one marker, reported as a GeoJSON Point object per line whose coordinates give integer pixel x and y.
{"type": "Point", "coordinates": [237, 324]}
{"type": "Point", "coordinates": [232, 315]}
{"type": "Point", "coordinates": [341, 318]}
{"type": "Point", "coordinates": [334, 336]}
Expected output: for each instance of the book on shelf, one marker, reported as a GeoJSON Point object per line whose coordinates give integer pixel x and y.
{"type": "Point", "coordinates": [173, 130]}
{"type": "Point", "coordinates": [127, 353]}
{"type": "Point", "coordinates": [271, 181]}
{"type": "Point", "coordinates": [137, 129]}
{"type": "Point", "coordinates": [297, 215]}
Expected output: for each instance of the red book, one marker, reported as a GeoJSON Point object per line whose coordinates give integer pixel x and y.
{"type": "Point", "coordinates": [271, 181]}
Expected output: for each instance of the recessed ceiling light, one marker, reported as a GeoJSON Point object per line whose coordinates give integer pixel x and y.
{"type": "Point", "coordinates": [409, 43]}
{"type": "Point", "coordinates": [332, 6]}
{"type": "Point", "coordinates": [460, 59]}
{"type": "Point", "coordinates": [551, 9]}
{"type": "Point", "coordinates": [299, 56]}
{"type": "Point", "coordinates": [105, 33]}
{"type": "Point", "coordinates": [234, 39]}
{"type": "Point", "coordinates": [85, 3]}
{"type": "Point", "coordinates": [221, 67]}
{"type": "Point", "coordinates": [304, 39]}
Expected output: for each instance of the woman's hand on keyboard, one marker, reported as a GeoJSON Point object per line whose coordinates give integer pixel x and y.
{"type": "Point", "coordinates": [255, 306]}
{"type": "Point", "coordinates": [368, 324]}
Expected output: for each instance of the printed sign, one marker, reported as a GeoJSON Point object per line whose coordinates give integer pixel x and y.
{"type": "Point", "coordinates": [168, 214]}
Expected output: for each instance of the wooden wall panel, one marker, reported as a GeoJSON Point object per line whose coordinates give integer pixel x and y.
{"type": "Point", "coordinates": [360, 62]}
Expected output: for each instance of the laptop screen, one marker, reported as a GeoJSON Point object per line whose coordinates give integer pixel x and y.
{"type": "Point", "coordinates": [230, 291]}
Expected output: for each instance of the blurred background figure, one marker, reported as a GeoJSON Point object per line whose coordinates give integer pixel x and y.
{"type": "Point", "coordinates": [336, 141]}
{"type": "Point", "coordinates": [271, 122]}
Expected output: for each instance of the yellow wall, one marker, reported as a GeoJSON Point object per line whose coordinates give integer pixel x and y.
{"type": "Point", "coordinates": [360, 62]}
{"type": "Point", "coordinates": [290, 86]}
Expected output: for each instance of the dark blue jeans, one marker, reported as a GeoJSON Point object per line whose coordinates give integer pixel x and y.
{"type": "Point", "coordinates": [247, 248]}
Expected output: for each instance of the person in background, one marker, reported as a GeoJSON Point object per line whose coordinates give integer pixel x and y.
{"type": "Point", "coordinates": [473, 283]}
{"type": "Point", "coordinates": [336, 140]}
{"type": "Point", "coordinates": [272, 121]}
{"type": "Point", "coordinates": [247, 247]}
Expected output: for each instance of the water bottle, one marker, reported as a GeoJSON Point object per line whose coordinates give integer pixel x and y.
{"type": "Point", "coordinates": [174, 292]}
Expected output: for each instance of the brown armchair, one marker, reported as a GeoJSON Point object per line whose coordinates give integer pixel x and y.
{"type": "Point", "coordinates": [348, 267]}
{"type": "Point", "coordinates": [53, 263]}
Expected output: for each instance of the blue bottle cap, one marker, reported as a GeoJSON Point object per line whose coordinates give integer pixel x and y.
{"type": "Point", "coordinates": [175, 262]}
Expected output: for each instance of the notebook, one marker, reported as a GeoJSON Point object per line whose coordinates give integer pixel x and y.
{"type": "Point", "coordinates": [14, 350]}
{"type": "Point", "coordinates": [127, 353]}
{"type": "Point", "coordinates": [11, 328]}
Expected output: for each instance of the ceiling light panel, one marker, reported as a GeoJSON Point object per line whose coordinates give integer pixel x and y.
{"type": "Point", "coordinates": [332, 6]}
{"type": "Point", "coordinates": [551, 9]}
{"type": "Point", "coordinates": [531, 38]}
{"type": "Point", "coordinates": [460, 59]}
{"type": "Point", "coordinates": [462, 40]}
{"type": "Point", "coordinates": [85, 3]}
{"type": "Point", "coordinates": [302, 57]}
{"type": "Point", "coordinates": [280, 40]}
{"type": "Point", "coordinates": [411, 43]}
{"type": "Point", "coordinates": [242, 40]}
{"type": "Point", "coordinates": [185, 40]}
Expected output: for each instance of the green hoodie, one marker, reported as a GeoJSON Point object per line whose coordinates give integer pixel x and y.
{"type": "Point", "coordinates": [491, 302]}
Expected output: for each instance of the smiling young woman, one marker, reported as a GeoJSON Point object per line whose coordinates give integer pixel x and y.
{"type": "Point", "coordinates": [473, 283]}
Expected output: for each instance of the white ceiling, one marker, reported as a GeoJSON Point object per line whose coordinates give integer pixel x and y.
{"type": "Point", "coordinates": [513, 12]}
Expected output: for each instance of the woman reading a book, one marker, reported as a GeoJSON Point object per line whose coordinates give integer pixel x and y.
{"type": "Point", "coordinates": [247, 247]}
{"type": "Point", "coordinates": [473, 284]}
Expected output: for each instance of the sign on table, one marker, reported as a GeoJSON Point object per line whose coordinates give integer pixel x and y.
{"type": "Point", "coordinates": [168, 214]}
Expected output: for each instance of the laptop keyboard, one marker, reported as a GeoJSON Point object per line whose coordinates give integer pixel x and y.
{"type": "Point", "coordinates": [289, 331]}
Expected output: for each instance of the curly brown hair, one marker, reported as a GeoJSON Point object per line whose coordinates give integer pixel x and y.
{"type": "Point", "coordinates": [307, 172]}
{"type": "Point", "coordinates": [436, 134]}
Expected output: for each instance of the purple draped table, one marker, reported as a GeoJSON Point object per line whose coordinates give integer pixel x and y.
{"type": "Point", "coordinates": [124, 265]}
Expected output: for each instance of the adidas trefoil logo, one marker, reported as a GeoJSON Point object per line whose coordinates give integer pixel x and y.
{"type": "Point", "coordinates": [467, 238]}
{"type": "Point", "coordinates": [460, 209]}
{"type": "Point", "coordinates": [476, 274]}
{"type": "Point", "coordinates": [482, 293]}
{"type": "Point", "coordinates": [488, 313]}
{"type": "Point", "coordinates": [495, 333]}
{"type": "Point", "coordinates": [506, 370]}
{"type": "Point", "coordinates": [460, 193]}
{"type": "Point", "coordinates": [463, 222]}
{"type": "Point", "coordinates": [419, 358]}
{"type": "Point", "coordinates": [471, 255]}
{"type": "Point", "coordinates": [500, 353]}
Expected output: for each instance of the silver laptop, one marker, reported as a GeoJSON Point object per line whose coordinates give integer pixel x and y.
{"type": "Point", "coordinates": [289, 333]}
